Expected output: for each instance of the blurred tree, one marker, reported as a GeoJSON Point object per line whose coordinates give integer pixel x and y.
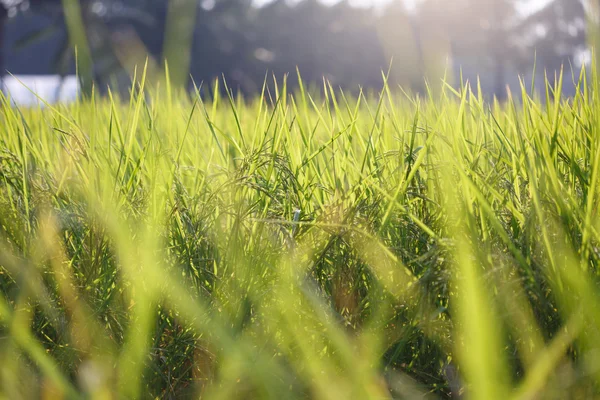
{"type": "Point", "coordinates": [96, 28]}
{"type": "Point", "coordinates": [3, 17]}
{"type": "Point", "coordinates": [224, 41]}
{"type": "Point", "coordinates": [347, 45]}
{"type": "Point", "coordinates": [404, 41]}
{"type": "Point", "coordinates": [73, 18]}
{"type": "Point", "coordinates": [338, 42]}
{"type": "Point", "coordinates": [557, 33]}
{"type": "Point", "coordinates": [480, 30]}
{"type": "Point", "coordinates": [499, 38]}
{"type": "Point", "coordinates": [179, 34]}
{"type": "Point", "coordinates": [78, 37]}
{"type": "Point", "coordinates": [592, 8]}
{"type": "Point", "coordinates": [7, 8]}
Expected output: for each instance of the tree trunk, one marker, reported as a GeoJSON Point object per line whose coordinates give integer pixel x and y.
{"type": "Point", "coordinates": [179, 37]}
{"type": "Point", "coordinates": [79, 42]}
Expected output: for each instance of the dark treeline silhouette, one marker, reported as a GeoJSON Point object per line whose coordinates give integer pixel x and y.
{"type": "Point", "coordinates": [348, 46]}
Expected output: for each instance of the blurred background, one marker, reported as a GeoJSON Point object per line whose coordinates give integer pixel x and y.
{"type": "Point", "coordinates": [347, 42]}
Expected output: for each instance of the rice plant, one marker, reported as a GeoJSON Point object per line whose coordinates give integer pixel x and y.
{"type": "Point", "coordinates": [301, 244]}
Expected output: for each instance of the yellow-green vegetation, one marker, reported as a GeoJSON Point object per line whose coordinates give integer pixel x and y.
{"type": "Point", "coordinates": [307, 245]}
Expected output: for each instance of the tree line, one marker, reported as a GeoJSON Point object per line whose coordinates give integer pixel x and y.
{"type": "Point", "coordinates": [349, 46]}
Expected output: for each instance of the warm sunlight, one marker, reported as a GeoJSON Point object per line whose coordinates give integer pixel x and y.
{"type": "Point", "coordinates": [254, 199]}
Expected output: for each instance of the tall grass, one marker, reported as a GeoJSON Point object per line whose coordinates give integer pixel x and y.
{"type": "Point", "coordinates": [306, 245]}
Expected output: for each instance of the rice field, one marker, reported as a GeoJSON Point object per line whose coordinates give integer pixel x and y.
{"type": "Point", "coordinates": [303, 243]}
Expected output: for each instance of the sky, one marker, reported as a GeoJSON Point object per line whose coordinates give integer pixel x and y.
{"type": "Point", "coordinates": [527, 7]}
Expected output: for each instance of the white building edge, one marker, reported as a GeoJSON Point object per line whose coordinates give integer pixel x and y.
{"type": "Point", "coordinates": [26, 90]}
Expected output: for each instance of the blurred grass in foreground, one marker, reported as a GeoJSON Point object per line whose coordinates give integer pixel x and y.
{"type": "Point", "coordinates": [301, 246]}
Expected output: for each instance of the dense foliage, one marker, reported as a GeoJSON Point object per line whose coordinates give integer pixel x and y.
{"type": "Point", "coordinates": [306, 245]}
{"type": "Point", "coordinates": [345, 44]}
